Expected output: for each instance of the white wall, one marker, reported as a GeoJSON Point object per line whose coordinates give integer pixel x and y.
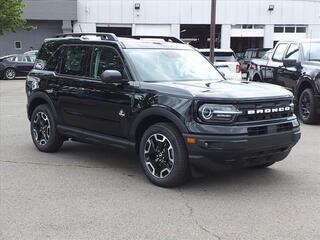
{"type": "Point", "coordinates": [165, 16]}
{"type": "Point", "coordinates": [198, 11]}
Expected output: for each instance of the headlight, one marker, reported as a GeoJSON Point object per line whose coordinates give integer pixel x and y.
{"type": "Point", "coordinates": [218, 113]}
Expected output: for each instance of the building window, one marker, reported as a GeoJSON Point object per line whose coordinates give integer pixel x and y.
{"type": "Point", "coordinates": [247, 26]}
{"type": "Point", "coordinates": [301, 29]}
{"type": "Point", "coordinates": [290, 29]}
{"type": "Point", "coordinates": [17, 45]}
{"type": "Point", "coordinates": [278, 29]}
{"type": "Point", "coordinates": [258, 26]}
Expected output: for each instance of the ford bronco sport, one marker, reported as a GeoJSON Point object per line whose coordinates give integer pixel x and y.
{"type": "Point", "coordinates": [159, 97]}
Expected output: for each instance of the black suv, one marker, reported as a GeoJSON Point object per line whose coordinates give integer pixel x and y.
{"type": "Point", "coordinates": [296, 66]}
{"type": "Point", "coordinates": [159, 97]}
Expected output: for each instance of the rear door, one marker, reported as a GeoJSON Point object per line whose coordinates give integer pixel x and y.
{"type": "Point", "coordinates": [67, 82]}
{"type": "Point", "coordinates": [28, 63]}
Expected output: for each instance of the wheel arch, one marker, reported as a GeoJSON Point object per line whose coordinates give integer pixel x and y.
{"type": "Point", "coordinates": [304, 83]}
{"type": "Point", "coordinates": [37, 99]}
{"type": "Point", "coordinates": [151, 116]}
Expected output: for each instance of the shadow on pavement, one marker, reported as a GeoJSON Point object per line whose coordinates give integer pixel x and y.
{"type": "Point", "coordinates": [122, 160]}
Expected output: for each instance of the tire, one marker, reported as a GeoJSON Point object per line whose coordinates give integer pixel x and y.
{"type": "Point", "coordinates": [265, 165]}
{"type": "Point", "coordinates": [256, 78]}
{"type": "Point", "coordinates": [163, 155]}
{"type": "Point", "coordinates": [307, 108]}
{"type": "Point", "coordinates": [43, 130]}
{"type": "Point", "coordinates": [9, 74]}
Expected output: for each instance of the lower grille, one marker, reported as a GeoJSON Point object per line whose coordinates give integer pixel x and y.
{"type": "Point", "coordinates": [261, 130]}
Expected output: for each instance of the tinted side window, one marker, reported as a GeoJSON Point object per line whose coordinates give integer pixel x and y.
{"type": "Point", "coordinates": [52, 64]}
{"type": "Point", "coordinates": [293, 52]}
{"type": "Point", "coordinates": [74, 61]}
{"type": "Point", "coordinates": [104, 58]}
{"type": "Point", "coordinates": [47, 50]}
{"type": "Point", "coordinates": [279, 52]}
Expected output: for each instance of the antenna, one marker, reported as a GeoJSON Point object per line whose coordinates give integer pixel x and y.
{"type": "Point", "coordinates": [80, 27]}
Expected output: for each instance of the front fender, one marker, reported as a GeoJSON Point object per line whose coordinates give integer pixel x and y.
{"type": "Point", "coordinates": [160, 111]}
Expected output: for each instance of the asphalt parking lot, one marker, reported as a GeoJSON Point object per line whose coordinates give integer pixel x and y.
{"type": "Point", "coordinates": [90, 192]}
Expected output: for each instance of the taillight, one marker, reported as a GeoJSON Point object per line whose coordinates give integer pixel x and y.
{"type": "Point", "coordinates": [238, 69]}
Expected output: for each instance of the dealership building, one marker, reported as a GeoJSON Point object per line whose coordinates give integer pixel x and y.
{"type": "Point", "coordinates": [241, 24]}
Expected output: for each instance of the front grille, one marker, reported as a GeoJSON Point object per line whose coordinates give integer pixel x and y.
{"type": "Point", "coordinates": [245, 107]}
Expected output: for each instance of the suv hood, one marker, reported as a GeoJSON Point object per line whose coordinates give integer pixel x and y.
{"type": "Point", "coordinates": [224, 90]}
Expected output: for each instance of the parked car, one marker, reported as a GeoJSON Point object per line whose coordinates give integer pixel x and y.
{"type": "Point", "coordinates": [295, 65]}
{"type": "Point", "coordinates": [32, 52]}
{"type": "Point", "coordinates": [226, 62]}
{"type": "Point", "coordinates": [16, 65]}
{"type": "Point", "coordinates": [249, 55]}
{"type": "Point", "coordinates": [163, 100]}
{"type": "Point", "coordinates": [257, 73]}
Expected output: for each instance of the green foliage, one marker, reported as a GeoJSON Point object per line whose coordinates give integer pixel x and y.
{"type": "Point", "coordinates": [11, 16]}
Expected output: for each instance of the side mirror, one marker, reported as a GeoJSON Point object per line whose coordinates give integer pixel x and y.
{"type": "Point", "coordinates": [290, 63]}
{"type": "Point", "coordinates": [109, 76]}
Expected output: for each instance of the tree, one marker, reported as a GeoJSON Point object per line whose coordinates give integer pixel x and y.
{"type": "Point", "coordinates": [11, 16]}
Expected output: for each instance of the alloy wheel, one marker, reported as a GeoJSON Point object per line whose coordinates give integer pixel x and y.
{"type": "Point", "coordinates": [41, 128]}
{"type": "Point", "coordinates": [10, 74]}
{"type": "Point", "coordinates": [159, 155]}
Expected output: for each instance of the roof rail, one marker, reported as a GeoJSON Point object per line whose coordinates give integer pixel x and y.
{"type": "Point", "coordinates": [104, 36]}
{"type": "Point", "coordinates": [165, 38]}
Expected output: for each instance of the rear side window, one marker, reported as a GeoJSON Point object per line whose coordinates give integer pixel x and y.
{"type": "Point", "coordinates": [279, 52]}
{"type": "Point", "coordinates": [74, 61]}
{"type": "Point", "coordinates": [46, 52]}
{"type": "Point", "coordinates": [105, 58]}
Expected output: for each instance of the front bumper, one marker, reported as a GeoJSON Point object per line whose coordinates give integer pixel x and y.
{"type": "Point", "coordinates": [211, 151]}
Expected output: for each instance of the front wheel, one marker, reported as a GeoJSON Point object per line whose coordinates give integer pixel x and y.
{"type": "Point", "coordinates": [164, 156]}
{"type": "Point", "coordinates": [307, 108]}
{"type": "Point", "coordinates": [43, 130]}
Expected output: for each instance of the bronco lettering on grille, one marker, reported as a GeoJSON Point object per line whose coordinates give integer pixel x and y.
{"type": "Point", "coordinates": [268, 110]}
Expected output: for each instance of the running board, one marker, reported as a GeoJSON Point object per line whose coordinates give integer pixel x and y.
{"type": "Point", "coordinates": [87, 136]}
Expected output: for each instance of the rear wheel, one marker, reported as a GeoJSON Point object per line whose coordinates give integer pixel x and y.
{"type": "Point", "coordinates": [43, 130]}
{"type": "Point", "coordinates": [10, 74]}
{"type": "Point", "coordinates": [163, 155]}
{"type": "Point", "coordinates": [307, 108]}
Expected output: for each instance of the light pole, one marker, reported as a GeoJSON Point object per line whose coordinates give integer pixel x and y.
{"type": "Point", "coordinates": [212, 29]}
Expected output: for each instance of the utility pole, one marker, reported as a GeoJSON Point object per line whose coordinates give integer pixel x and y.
{"type": "Point", "coordinates": [213, 29]}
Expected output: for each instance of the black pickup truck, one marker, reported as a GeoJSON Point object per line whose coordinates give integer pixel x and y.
{"type": "Point", "coordinates": [296, 66]}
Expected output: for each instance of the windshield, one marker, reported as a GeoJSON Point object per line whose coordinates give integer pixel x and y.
{"type": "Point", "coordinates": [156, 65]}
{"type": "Point", "coordinates": [311, 51]}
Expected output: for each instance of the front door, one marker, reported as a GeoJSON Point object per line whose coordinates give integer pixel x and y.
{"type": "Point", "coordinates": [107, 105]}
{"type": "Point", "coordinates": [289, 76]}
